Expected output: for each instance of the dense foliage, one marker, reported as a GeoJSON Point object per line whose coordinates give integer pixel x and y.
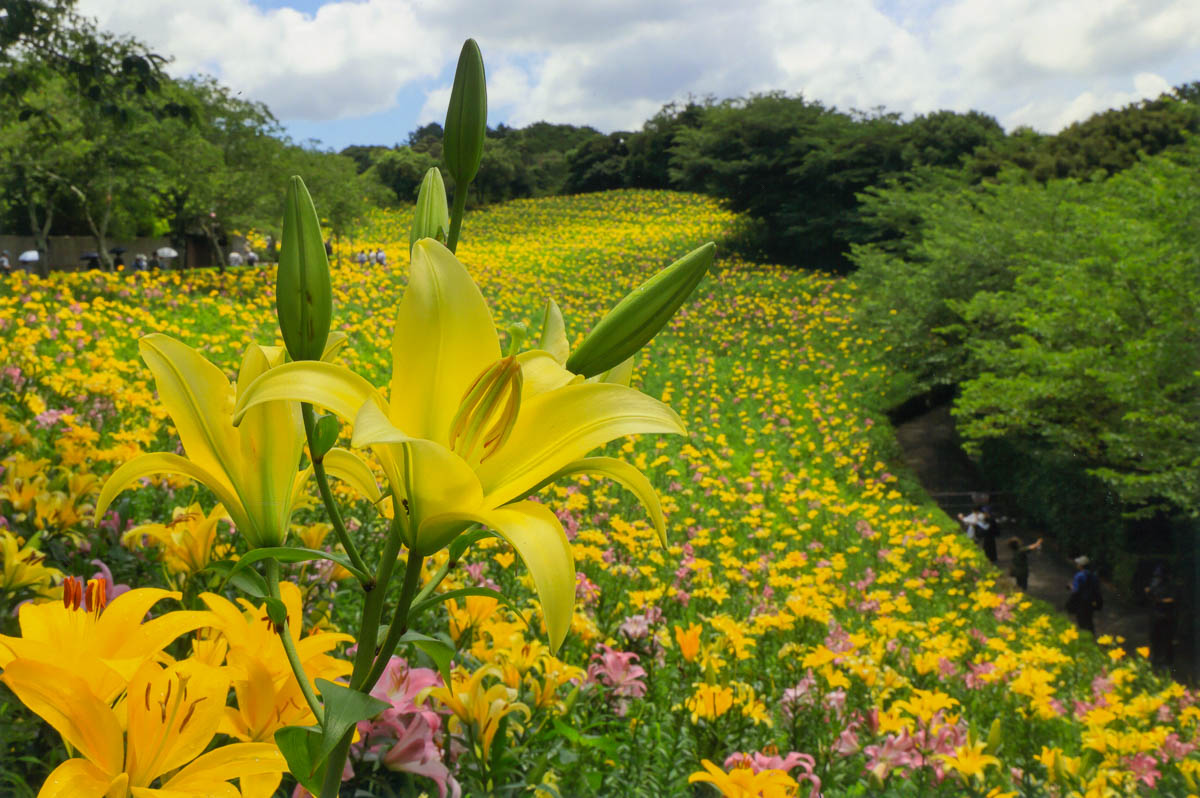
{"type": "Point", "coordinates": [813, 616]}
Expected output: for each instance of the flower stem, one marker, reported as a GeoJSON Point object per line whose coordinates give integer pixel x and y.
{"type": "Point", "coordinates": [412, 575]}
{"type": "Point", "coordinates": [289, 647]}
{"type": "Point", "coordinates": [331, 508]}
{"type": "Point", "coordinates": [456, 215]}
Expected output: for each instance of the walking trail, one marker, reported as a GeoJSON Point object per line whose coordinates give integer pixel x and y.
{"type": "Point", "coordinates": [933, 451]}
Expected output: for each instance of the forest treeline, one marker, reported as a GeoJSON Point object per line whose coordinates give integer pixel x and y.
{"type": "Point", "coordinates": [97, 140]}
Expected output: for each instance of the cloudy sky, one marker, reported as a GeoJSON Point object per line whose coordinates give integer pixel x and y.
{"type": "Point", "coordinates": [369, 71]}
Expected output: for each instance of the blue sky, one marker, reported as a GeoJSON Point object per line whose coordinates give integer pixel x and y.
{"type": "Point", "coordinates": [369, 71]}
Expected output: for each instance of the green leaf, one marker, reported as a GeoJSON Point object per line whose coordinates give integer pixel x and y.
{"type": "Point", "coordinates": [460, 544]}
{"type": "Point", "coordinates": [293, 554]}
{"type": "Point", "coordinates": [276, 611]}
{"type": "Point", "coordinates": [343, 708]}
{"type": "Point", "coordinates": [439, 651]}
{"type": "Point", "coordinates": [301, 746]}
{"type": "Point", "coordinates": [247, 580]}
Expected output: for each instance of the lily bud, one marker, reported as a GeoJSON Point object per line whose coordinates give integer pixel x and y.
{"type": "Point", "coordinates": [466, 117]}
{"type": "Point", "coordinates": [303, 293]}
{"type": "Point", "coordinates": [995, 736]}
{"type": "Point", "coordinates": [496, 393]}
{"type": "Point", "coordinates": [639, 316]}
{"type": "Point", "coordinates": [324, 436]}
{"type": "Point", "coordinates": [432, 216]}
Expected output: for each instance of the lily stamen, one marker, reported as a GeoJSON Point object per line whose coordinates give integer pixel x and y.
{"type": "Point", "coordinates": [500, 381]}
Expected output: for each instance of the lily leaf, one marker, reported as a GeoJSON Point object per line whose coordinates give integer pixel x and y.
{"type": "Point", "coordinates": [291, 554]}
{"type": "Point", "coordinates": [438, 650]}
{"type": "Point", "coordinates": [343, 708]}
{"type": "Point", "coordinates": [247, 580]}
{"type": "Point", "coordinates": [301, 747]}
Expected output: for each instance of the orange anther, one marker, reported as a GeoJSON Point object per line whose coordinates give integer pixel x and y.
{"type": "Point", "coordinates": [97, 595]}
{"type": "Point", "coordinates": [72, 592]}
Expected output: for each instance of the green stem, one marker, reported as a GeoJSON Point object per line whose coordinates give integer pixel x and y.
{"type": "Point", "coordinates": [363, 657]}
{"type": "Point", "coordinates": [432, 584]}
{"type": "Point", "coordinates": [412, 575]}
{"type": "Point", "coordinates": [331, 508]}
{"type": "Point", "coordinates": [289, 647]}
{"type": "Point", "coordinates": [456, 216]}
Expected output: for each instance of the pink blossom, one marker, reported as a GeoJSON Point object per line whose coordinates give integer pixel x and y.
{"type": "Point", "coordinates": [616, 670]}
{"type": "Point", "coordinates": [1144, 767]}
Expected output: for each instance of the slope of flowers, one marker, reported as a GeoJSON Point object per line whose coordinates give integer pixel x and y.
{"type": "Point", "coordinates": [812, 628]}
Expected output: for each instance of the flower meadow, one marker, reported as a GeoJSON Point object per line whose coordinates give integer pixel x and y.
{"type": "Point", "coordinates": [814, 625]}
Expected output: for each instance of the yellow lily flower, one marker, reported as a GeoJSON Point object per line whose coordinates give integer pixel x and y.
{"type": "Point", "coordinates": [268, 695]}
{"type": "Point", "coordinates": [477, 707]}
{"type": "Point", "coordinates": [467, 435]}
{"type": "Point", "coordinates": [162, 726]}
{"type": "Point", "coordinates": [187, 542]}
{"type": "Point", "coordinates": [253, 469]}
{"type": "Point", "coordinates": [105, 644]}
{"type": "Point", "coordinates": [22, 567]}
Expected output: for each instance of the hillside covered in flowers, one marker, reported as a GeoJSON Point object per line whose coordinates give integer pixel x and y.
{"type": "Point", "coordinates": [815, 626]}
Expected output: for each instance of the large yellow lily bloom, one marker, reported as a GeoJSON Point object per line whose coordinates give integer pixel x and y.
{"type": "Point", "coordinates": [164, 723]}
{"type": "Point", "coordinates": [106, 647]}
{"type": "Point", "coordinates": [449, 385]}
{"type": "Point", "coordinates": [254, 469]}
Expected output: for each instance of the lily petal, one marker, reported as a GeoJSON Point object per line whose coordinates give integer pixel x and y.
{"type": "Point", "coordinates": [76, 778]}
{"type": "Point", "coordinates": [437, 480]}
{"type": "Point", "coordinates": [195, 393]}
{"type": "Point", "coordinates": [63, 700]}
{"type": "Point", "coordinates": [559, 427]}
{"type": "Point", "coordinates": [444, 338]}
{"type": "Point", "coordinates": [554, 333]}
{"type": "Point", "coordinates": [541, 372]}
{"type": "Point", "coordinates": [228, 762]}
{"type": "Point", "coordinates": [535, 532]}
{"type": "Point", "coordinates": [624, 473]}
{"type": "Point", "coordinates": [336, 388]}
{"type": "Point", "coordinates": [350, 468]}
{"type": "Point", "coordinates": [166, 463]}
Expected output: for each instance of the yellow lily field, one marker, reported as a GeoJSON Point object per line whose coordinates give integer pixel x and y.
{"type": "Point", "coordinates": [814, 625]}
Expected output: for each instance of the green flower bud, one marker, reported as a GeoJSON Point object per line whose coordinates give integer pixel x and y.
{"type": "Point", "coordinates": [432, 216]}
{"type": "Point", "coordinates": [303, 294]}
{"type": "Point", "coordinates": [324, 436]}
{"type": "Point", "coordinates": [466, 117]}
{"type": "Point", "coordinates": [639, 316]}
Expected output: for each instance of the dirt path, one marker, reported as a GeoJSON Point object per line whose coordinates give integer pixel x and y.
{"type": "Point", "coordinates": [932, 449]}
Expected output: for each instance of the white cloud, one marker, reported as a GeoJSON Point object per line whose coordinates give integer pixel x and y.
{"type": "Point", "coordinates": [613, 64]}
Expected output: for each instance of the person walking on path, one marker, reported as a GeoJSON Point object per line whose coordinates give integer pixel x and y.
{"type": "Point", "coordinates": [1085, 595]}
{"type": "Point", "coordinates": [981, 527]}
{"type": "Point", "coordinates": [1019, 569]}
{"type": "Point", "coordinates": [1162, 619]}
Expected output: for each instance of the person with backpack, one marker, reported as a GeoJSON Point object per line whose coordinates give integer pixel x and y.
{"type": "Point", "coordinates": [1085, 598]}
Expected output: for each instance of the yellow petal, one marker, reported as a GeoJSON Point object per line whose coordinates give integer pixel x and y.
{"type": "Point", "coordinates": [197, 395]}
{"type": "Point", "coordinates": [619, 374]}
{"type": "Point", "coordinates": [444, 338]}
{"type": "Point", "coordinates": [63, 700]}
{"type": "Point", "coordinates": [541, 372]}
{"type": "Point", "coordinates": [349, 467]}
{"type": "Point", "coordinates": [337, 389]}
{"type": "Point", "coordinates": [437, 481]}
{"type": "Point", "coordinates": [628, 476]}
{"type": "Point", "coordinates": [228, 762]}
{"type": "Point", "coordinates": [534, 531]}
{"type": "Point", "coordinates": [334, 344]}
{"type": "Point", "coordinates": [558, 427]}
{"type": "Point", "coordinates": [554, 333]}
{"type": "Point", "coordinates": [271, 440]}
{"type": "Point", "coordinates": [165, 463]}
{"type": "Point", "coordinates": [76, 778]}
{"type": "Point", "coordinates": [167, 725]}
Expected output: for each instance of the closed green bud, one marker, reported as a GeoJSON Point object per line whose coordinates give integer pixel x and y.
{"type": "Point", "coordinates": [324, 436]}
{"type": "Point", "coordinates": [995, 736]}
{"type": "Point", "coordinates": [639, 316]}
{"type": "Point", "coordinates": [303, 294]}
{"type": "Point", "coordinates": [432, 216]}
{"type": "Point", "coordinates": [466, 117]}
